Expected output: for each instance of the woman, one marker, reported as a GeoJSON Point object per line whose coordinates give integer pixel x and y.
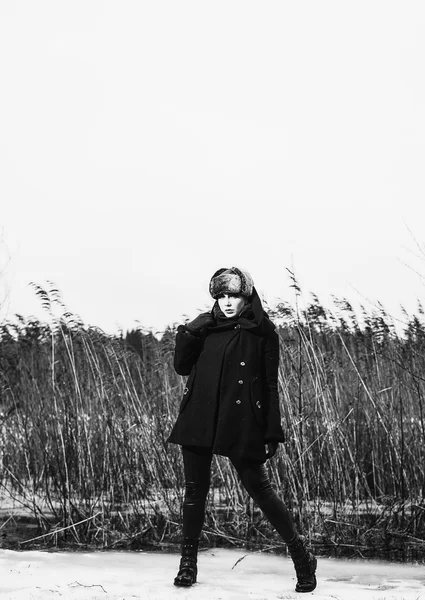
{"type": "Point", "coordinates": [230, 407]}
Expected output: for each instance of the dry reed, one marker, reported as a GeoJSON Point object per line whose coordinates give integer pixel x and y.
{"type": "Point", "coordinates": [85, 418]}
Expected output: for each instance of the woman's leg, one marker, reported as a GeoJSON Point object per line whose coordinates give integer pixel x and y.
{"type": "Point", "coordinates": [197, 467]}
{"type": "Point", "coordinates": [197, 470]}
{"type": "Point", "coordinates": [256, 481]}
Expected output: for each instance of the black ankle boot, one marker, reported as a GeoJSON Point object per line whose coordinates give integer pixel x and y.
{"type": "Point", "coordinates": [305, 564]}
{"type": "Point", "coordinates": [188, 569]}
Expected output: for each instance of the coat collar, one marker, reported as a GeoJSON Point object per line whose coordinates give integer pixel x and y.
{"type": "Point", "coordinates": [252, 318]}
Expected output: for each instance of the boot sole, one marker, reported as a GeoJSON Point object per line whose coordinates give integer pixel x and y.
{"type": "Point", "coordinates": [181, 584]}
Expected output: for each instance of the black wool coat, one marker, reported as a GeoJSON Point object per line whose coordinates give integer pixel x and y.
{"type": "Point", "coordinates": [230, 403]}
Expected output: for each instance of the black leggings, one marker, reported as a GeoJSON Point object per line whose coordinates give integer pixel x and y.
{"type": "Point", "coordinates": [197, 468]}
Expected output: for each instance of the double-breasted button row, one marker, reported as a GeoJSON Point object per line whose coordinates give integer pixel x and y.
{"type": "Point", "coordinates": [240, 381]}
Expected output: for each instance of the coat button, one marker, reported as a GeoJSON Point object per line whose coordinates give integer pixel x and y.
{"type": "Point", "coordinates": [258, 403]}
{"type": "Point", "coordinates": [242, 364]}
{"type": "Point", "coordinates": [185, 390]}
{"type": "Point", "coordinates": [238, 401]}
{"type": "Point", "coordinates": [240, 381]}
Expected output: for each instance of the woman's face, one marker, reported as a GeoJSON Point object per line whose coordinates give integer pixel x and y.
{"type": "Point", "coordinates": [231, 304]}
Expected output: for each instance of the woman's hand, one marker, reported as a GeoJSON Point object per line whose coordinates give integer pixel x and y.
{"type": "Point", "coordinates": [271, 449]}
{"type": "Point", "coordinates": [199, 323]}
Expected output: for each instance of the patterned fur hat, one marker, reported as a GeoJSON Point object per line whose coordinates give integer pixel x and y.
{"type": "Point", "coordinates": [231, 281]}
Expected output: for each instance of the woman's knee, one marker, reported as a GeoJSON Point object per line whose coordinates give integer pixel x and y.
{"type": "Point", "coordinates": [195, 492]}
{"type": "Point", "coordinates": [256, 481]}
{"type": "Point", "coordinates": [197, 467]}
{"type": "Point", "coordinates": [262, 491]}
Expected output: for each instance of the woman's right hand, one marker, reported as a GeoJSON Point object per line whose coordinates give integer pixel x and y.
{"type": "Point", "coordinates": [199, 323]}
{"type": "Point", "coordinates": [271, 449]}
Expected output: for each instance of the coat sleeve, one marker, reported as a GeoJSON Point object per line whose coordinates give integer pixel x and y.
{"type": "Point", "coordinates": [273, 427]}
{"type": "Point", "coordinates": [186, 353]}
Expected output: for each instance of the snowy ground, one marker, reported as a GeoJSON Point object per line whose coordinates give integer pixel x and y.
{"type": "Point", "coordinates": [149, 576]}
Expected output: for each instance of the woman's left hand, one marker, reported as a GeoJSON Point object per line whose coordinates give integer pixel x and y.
{"type": "Point", "coordinates": [271, 449]}
{"type": "Point", "coordinates": [199, 323]}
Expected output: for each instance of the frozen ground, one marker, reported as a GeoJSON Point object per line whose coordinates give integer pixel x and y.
{"type": "Point", "coordinates": [149, 576]}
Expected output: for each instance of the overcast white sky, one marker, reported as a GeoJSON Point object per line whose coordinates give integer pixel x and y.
{"type": "Point", "coordinates": [144, 144]}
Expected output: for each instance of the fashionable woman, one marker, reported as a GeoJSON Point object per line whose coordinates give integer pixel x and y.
{"type": "Point", "coordinates": [230, 407]}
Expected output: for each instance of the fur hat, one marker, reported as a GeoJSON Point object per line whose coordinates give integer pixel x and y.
{"type": "Point", "coordinates": [231, 281]}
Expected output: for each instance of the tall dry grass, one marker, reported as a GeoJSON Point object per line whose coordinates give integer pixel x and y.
{"type": "Point", "coordinates": [85, 418]}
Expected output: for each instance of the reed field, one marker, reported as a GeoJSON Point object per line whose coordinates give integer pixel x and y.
{"type": "Point", "coordinates": [85, 418]}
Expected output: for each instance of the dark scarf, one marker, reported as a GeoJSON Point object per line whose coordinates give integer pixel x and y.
{"type": "Point", "coordinates": [252, 317]}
